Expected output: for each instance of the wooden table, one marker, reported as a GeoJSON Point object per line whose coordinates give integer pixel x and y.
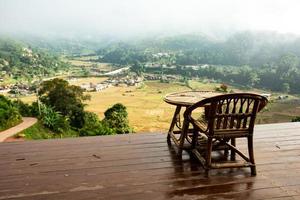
{"type": "Point", "coordinates": [183, 99]}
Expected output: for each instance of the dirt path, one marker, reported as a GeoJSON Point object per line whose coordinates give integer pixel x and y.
{"type": "Point", "coordinates": [27, 122]}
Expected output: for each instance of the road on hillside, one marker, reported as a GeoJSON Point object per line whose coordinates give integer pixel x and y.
{"type": "Point", "coordinates": [27, 122]}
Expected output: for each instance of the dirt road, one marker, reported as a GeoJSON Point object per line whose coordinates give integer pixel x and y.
{"type": "Point", "coordinates": [27, 122]}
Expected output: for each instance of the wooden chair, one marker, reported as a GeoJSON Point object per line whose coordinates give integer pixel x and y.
{"type": "Point", "coordinates": [230, 116]}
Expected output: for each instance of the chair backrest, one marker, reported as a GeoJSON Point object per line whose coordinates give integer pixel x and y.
{"type": "Point", "coordinates": [232, 112]}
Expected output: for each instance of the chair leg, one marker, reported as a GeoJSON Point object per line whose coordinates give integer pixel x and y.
{"type": "Point", "coordinates": [179, 153]}
{"type": "Point", "coordinates": [226, 151]}
{"type": "Point", "coordinates": [169, 139]}
{"type": "Point", "coordinates": [206, 173]}
{"type": "Point", "coordinates": [195, 138]}
{"type": "Point", "coordinates": [208, 156]}
{"type": "Point", "coordinates": [232, 155]}
{"type": "Point", "coordinates": [251, 155]}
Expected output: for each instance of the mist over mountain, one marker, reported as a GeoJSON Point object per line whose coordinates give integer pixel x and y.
{"type": "Point", "coordinates": [262, 35]}
{"type": "Point", "coordinates": [142, 18]}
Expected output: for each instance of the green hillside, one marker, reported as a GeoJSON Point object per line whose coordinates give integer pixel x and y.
{"type": "Point", "coordinates": [19, 61]}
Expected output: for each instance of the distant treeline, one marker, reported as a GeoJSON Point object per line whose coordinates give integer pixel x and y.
{"type": "Point", "coordinates": [267, 60]}
{"type": "Point", "coordinates": [262, 59]}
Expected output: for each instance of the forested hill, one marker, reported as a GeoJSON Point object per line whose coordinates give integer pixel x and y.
{"type": "Point", "coordinates": [18, 60]}
{"type": "Point", "coordinates": [244, 48]}
{"type": "Point", "coordinates": [255, 59]}
{"type": "Point", "coordinates": [265, 60]}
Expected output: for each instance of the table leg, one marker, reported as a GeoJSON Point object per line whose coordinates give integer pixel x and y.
{"type": "Point", "coordinates": [174, 120]}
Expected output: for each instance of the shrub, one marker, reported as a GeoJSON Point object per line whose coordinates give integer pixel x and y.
{"type": "Point", "coordinates": [116, 118]}
{"type": "Point", "coordinates": [223, 88]}
{"type": "Point", "coordinates": [93, 126]}
{"type": "Point", "coordinates": [296, 119]}
{"type": "Point", "coordinates": [54, 120]}
{"type": "Point", "coordinates": [24, 108]}
{"type": "Point", "coordinates": [9, 114]}
{"type": "Point", "coordinates": [34, 109]}
{"type": "Point", "coordinates": [27, 110]}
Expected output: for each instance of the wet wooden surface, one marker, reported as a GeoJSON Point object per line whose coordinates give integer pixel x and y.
{"type": "Point", "coordinates": [142, 166]}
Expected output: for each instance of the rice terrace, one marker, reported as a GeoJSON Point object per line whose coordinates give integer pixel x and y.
{"type": "Point", "coordinates": [149, 113]}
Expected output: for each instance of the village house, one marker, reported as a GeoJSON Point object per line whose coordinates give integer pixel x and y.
{"type": "Point", "coordinates": [101, 86]}
{"type": "Point", "coordinates": [87, 87]}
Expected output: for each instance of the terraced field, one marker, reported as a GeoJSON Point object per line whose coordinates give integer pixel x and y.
{"type": "Point", "coordinates": [149, 113]}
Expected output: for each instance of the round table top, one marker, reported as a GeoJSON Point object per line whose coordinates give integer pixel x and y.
{"type": "Point", "coordinates": [188, 98]}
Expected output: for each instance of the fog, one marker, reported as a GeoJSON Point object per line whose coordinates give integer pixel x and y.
{"type": "Point", "coordinates": [146, 17]}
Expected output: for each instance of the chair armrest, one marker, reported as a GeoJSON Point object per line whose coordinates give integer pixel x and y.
{"type": "Point", "coordinates": [200, 124]}
{"type": "Point", "coordinates": [190, 109]}
{"type": "Point", "coordinates": [262, 104]}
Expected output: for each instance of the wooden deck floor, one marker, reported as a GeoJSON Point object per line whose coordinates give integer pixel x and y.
{"type": "Point", "coordinates": [142, 166]}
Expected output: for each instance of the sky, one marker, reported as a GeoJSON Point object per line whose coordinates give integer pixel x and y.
{"type": "Point", "coordinates": [140, 17]}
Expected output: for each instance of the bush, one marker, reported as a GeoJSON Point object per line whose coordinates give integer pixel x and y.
{"type": "Point", "coordinates": [223, 88]}
{"type": "Point", "coordinates": [27, 110]}
{"type": "Point", "coordinates": [116, 118]}
{"type": "Point", "coordinates": [296, 119]}
{"type": "Point", "coordinates": [34, 109]}
{"type": "Point", "coordinates": [93, 126]}
{"type": "Point", "coordinates": [24, 108]}
{"type": "Point", "coordinates": [54, 120]}
{"type": "Point", "coordinates": [9, 114]}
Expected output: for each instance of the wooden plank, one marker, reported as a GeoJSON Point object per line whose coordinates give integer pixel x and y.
{"type": "Point", "coordinates": [117, 155]}
{"type": "Point", "coordinates": [254, 190]}
{"type": "Point", "coordinates": [144, 167]}
{"type": "Point", "coordinates": [195, 182]}
{"type": "Point", "coordinates": [131, 160]}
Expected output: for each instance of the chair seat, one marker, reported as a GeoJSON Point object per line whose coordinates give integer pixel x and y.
{"type": "Point", "coordinates": [231, 133]}
{"type": "Point", "coordinates": [202, 124]}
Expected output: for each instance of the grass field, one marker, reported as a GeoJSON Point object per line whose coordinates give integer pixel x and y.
{"type": "Point", "coordinates": [280, 111]}
{"type": "Point", "coordinates": [87, 58]}
{"type": "Point", "coordinates": [87, 63]}
{"type": "Point", "coordinates": [146, 109]}
{"type": "Point", "coordinates": [149, 113]}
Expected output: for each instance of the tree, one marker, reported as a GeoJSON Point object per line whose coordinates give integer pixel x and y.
{"type": "Point", "coordinates": [138, 68]}
{"type": "Point", "coordinates": [64, 98]}
{"type": "Point", "coordinates": [287, 66]}
{"type": "Point", "coordinates": [253, 78]}
{"type": "Point", "coordinates": [286, 87]}
{"type": "Point", "coordinates": [116, 118]}
{"type": "Point", "coordinates": [93, 126]}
